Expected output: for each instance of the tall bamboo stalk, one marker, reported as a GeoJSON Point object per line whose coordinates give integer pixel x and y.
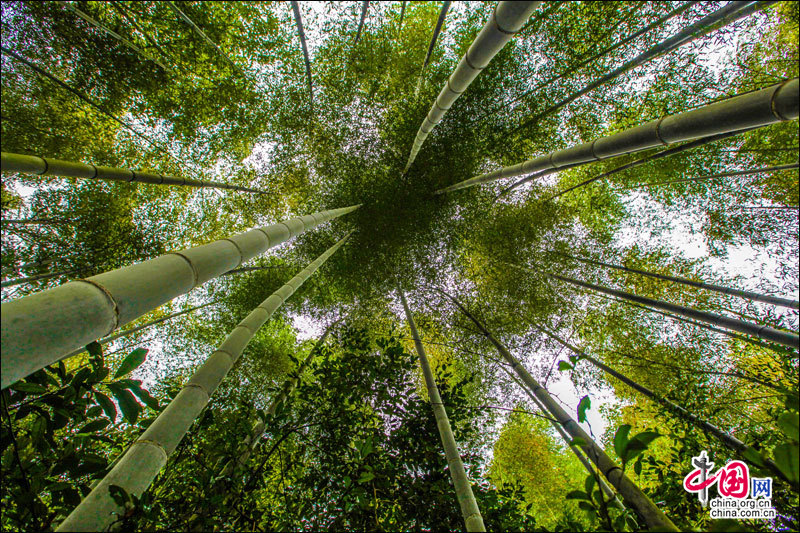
{"type": "Point", "coordinates": [48, 275]}
{"type": "Point", "coordinates": [118, 6]}
{"type": "Point", "coordinates": [763, 332]}
{"type": "Point", "coordinates": [506, 20]}
{"type": "Point", "coordinates": [638, 500]}
{"type": "Point", "coordinates": [764, 298]}
{"type": "Point", "coordinates": [761, 170]}
{"type": "Point", "coordinates": [466, 499]}
{"type": "Point", "coordinates": [39, 329]}
{"type": "Point", "coordinates": [364, 6]}
{"type": "Point", "coordinates": [144, 459]}
{"type": "Point", "coordinates": [202, 35]}
{"type": "Point", "coordinates": [742, 449]}
{"type": "Point", "coordinates": [436, 31]}
{"type": "Point", "coordinates": [778, 103]}
{"type": "Point", "coordinates": [725, 15]}
{"type": "Point", "coordinates": [31, 164]}
{"type": "Point", "coordinates": [100, 26]}
{"type": "Point", "coordinates": [125, 333]}
{"type": "Point", "coordinates": [299, 21]}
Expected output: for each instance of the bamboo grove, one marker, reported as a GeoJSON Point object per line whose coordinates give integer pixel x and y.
{"type": "Point", "coordinates": [513, 266]}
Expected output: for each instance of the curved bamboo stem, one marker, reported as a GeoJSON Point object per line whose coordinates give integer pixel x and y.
{"type": "Point", "coordinates": [40, 166]}
{"type": "Point", "coordinates": [137, 468]}
{"type": "Point", "coordinates": [506, 20]}
{"type": "Point", "coordinates": [778, 103]}
{"type": "Point", "coordinates": [466, 499]}
{"type": "Point", "coordinates": [39, 329]}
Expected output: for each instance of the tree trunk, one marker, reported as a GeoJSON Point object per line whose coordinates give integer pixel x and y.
{"type": "Point", "coordinates": [202, 35]}
{"type": "Point", "coordinates": [742, 449]}
{"type": "Point", "coordinates": [638, 500]}
{"type": "Point", "coordinates": [774, 300]}
{"type": "Point", "coordinates": [144, 459]}
{"type": "Point", "coordinates": [39, 329]}
{"type": "Point", "coordinates": [466, 499]}
{"type": "Point", "coordinates": [299, 21]}
{"type": "Point", "coordinates": [778, 103]}
{"type": "Point", "coordinates": [763, 332]}
{"type": "Point", "coordinates": [506, 20]}
{"type": "Point", "coordinates": [31, 164]}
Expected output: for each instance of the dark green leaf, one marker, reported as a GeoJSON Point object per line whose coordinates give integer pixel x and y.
{"type": "Point", "coordinates": [578, 495]}
{"type": "Point", "coordinates": [621, 439]}
{"type": "Point", "coordinates": [787, 457]}
{"type": "Point", "coordinates": [563, 365]}
{"type": "Point", "coordinates": [127, 403]}
{"type": "Point", "coordinates": [131, 363]}
{"type": "Point", "coordinates": [584, 405]}
{"type": "Point", "coordinates": [30, 388]}
{"type": "Point", "coordinates": [94, 426]}
{"type": "Point", "coordinates": [94, 349]}
{"type": "Point", "coordinates": [108, 406]}
{"type": "Point", "coordinates": [790, 425]}
{"type": "Point", "coordinates": [135, 387]}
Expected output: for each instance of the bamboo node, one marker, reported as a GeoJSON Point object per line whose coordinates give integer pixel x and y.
{"type": "Point", "coordinates": [110, 299]}
{"type": "Point", "coordinates": [191, 265]}
{"type": "Point", "coordinates": [241, 254]}
{"type": "Point", "coordinates": [658, 131]}
{"type": "Point", "coordinates": [469, 62]}
{"type": "Point", "coordinates": [497, 25]}
{"type": "Point", "coordinates": [772, 107]}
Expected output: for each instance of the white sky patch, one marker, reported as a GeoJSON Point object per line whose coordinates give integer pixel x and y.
{"type": "Point", "coordinates": [306, 327]}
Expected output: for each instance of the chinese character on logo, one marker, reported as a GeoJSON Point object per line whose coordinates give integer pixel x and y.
{"type": "Point", "coordinates": [732, 480]}
{"type": "Point", "coordinates": [761, 487]}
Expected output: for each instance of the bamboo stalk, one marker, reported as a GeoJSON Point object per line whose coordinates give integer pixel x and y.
{"type": "Point", "coordinates": [39, 329]}
{"type": "Point", "coordinates": [49, 275]}
{"type": "Point", "coordinates": [364, 6]}
{"type": "Point", "coordinates": [299, 21]}
{"type": "Point", "coordinates": [728, 440]}
{"type": "Point", "coordinates": [775, 168]}
{"type": "Point", "coordinates": [763, 332]}
{"type": "Point", "coordinates": [436, 31]}
{"type": "Point", "coordinates": [125, 333]}
{"type": "Point", "coordinates": [725, 15]}
{"type": "Point", "coordinates": [764, 298]}
{"type": "Point", "coordinates": [40, 166]}
{"type": "Point", "coordinates": [466, 499]}
{"type": "Point", "coordinates": [114, 34]}
{"type": "Point", "coordinates": [778, 103]}
{"type": "Point", "coordinates": [638, 500]}
{"type": "Point", "coordinates": [202, 35]}
{"type": "Point", "coordinates": [118, 6]}
{"type": "Point", "coordinates": [506, 20]}
{"type": "Point", "coordinates": [138, 467]}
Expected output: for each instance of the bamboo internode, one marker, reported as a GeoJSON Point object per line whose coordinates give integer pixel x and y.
{"type": "Point", "coordinates": [778, 103]}
{"type": "Point", "coordinates": [506, 20]}
{"type": "Point", "coordinates": [137, 468]}
{"type": "Point", "coordinates": [466, 499]}
{"type": "Point", "coordinates": [40, 166]}
{"type": "Point", "coordinates": [40, 329]}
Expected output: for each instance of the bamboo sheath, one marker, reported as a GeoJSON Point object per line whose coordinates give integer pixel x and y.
{"type": "Point", "coordinates": [725, 438]}
{"type": "Point", "coordinates": [31, 164]}
{"type": "Point", "coordinates": [506, 20]}
{"type": "Point", "coordinates": [778, 103]}
{"type": "Point", "coordinates": [764, 298]}
{"type": "Point", "coordinates": [144, 459]}
{"type": "Point", "coordinates": [762, 332]}
{"type": "Point", "coordinates": [466, 499]}
{"type": "Point", "coordinates": [39, 329]}
{"type": "Point", "coordinates": [638, 500]}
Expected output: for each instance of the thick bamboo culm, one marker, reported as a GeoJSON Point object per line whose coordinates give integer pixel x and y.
{"type": "Point", "coordinates": [137, 468]}
{"type": "Point", "coordinates": [762, 332]}
{"type": "Point", "coordinates": [466, 499]}
{"type": "Point", "coordinates": [39, 329]}
{"type": "Point", "coordinates": [637, 500]}
{"type": "Point", "coordinates": [40, 166]}
{"type": "Point", "coordinates": [725, 438]}
{"type": "Point", "coordinates": [764, 298]}
{"type": "Point", "coordinates": [506, 20]}
{"type": "Point", "coordinates": [778, 103]}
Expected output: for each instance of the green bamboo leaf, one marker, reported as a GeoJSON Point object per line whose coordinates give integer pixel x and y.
{"type": "Point", "coordinates": [790, 425]}
{"type": "Point", "coordinates": [131, 363]}
{"type": "Point", "coordinates": [578, 495]}
{"type": "Point", "coordinates": [621, 439]}
{"type": "Point", "coordinates": [94, 349]}
{"type": "Point", "coordinates": [588, 484]}
{"type": "Point", "coordinates": [108, 406]}
{"type": "Point", "coordinates": [787, 457]}
{"type": "Point", "coordinates": [127, 403]}
{"type": "Point", "coordinates": [366, 476]}
{"type": "Point", "coordinates": [584, 405]}
{"type": "Point", "coordinates": [753, 456]}
{"type": "Point", "coordinates": [94, 426]}
{"type": "Point", "coordinates": [134, 385]}
{"type": "Point", "coordinates": [563, 365]}
{"type": "Point", "coordinates": [30, 388]}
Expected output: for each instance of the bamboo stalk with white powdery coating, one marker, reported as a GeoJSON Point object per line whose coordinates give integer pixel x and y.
{"type": "Point", "coordinates": [40, 166]}
{"type": "Point", "coordinates": [636, 499]}
{"type": "Point", "coordinates": [137, 468]}
{"type": "Point", "coordinates": [767, 333]}
{"type": "Point", "coordinates": [39, 329]}
{"type": "Point", "coordinates": [506, 20]}
{"type": "Point", "coordinates": [725, 438]}
{"type": "Point", "coordinates": [466, 499]}
{"type": "Point", "coordinates": [778, 103]}
{"type": "Point", "coordinates": [764, 298]}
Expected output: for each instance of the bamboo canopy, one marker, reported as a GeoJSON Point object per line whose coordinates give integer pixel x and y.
{"type": "Point", "coordinates": [778, 103]}
{"type": "Point", "coordinates": [41, 328]}
{"type": "Point", "coordinates": [764, 298]}
{"type": "Point", "coordinates": [137, 468]}
{"type": "Point", "coordinates": [31, 164]}
{"type": "Point", "coordinates": [638, 500]}
{"type": "Point", "coordinates": [506, 20]}
{"type": "Point", "coordinates": [466, 499]}
{"type": "Point", "coordinates": [202, 34]}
